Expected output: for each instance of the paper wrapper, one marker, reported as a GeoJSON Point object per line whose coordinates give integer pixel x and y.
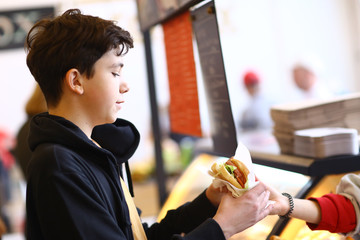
{"type": "Point", "coordinates": [242, 154]}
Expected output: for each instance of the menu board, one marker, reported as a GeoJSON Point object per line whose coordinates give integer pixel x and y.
{"type": "Point", "coordinates": [222, 125]}
{"type": "Point", "coordinates": [152, 12]}
{"type": "Point", "coordinates": [184, 102]}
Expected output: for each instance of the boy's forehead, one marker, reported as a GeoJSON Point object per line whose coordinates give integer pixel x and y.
{"type": "Point", "coordinates": [112, 59]}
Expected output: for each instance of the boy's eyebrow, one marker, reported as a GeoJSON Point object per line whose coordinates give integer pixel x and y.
{"type": "Point", "coordinates": [120, 64]}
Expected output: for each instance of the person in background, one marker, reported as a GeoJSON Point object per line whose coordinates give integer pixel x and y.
{"type": "Point", "coordinates": [336, 212]}
{"type": "Point", "coordinates": [2, 228]}
{"type": "Point", "coordinates": [306, 74]}
{"type": "Point", "coordinates": [257, 113]}
{"type": "Point", "coordinates": [4, 198]}
{"type": "Point", "coordinates": [79, 184]}
{"type": "Point", "coordinates": [7, 184]}
{"type": "Point", "coordinates": [36, 104]}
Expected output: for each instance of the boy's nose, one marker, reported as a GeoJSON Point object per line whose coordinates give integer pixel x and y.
{"type": "Point", "coordinates": [124, 88]}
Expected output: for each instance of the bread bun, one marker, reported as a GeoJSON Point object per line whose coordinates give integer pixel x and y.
{"type": "Point", "coordinates": [232, 171]}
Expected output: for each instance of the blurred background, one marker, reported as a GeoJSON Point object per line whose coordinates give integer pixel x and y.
{"type": "Point", "coordinates": [266, 37]}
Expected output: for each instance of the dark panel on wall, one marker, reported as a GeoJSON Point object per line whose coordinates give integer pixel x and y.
{"type": "Point", "coordinates": [222, 125]}
{"type": "Point", "coordinates": [15, 24]}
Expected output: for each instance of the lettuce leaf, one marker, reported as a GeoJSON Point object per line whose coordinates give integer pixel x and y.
{"type": "Point", "coordinates": [230, 169]}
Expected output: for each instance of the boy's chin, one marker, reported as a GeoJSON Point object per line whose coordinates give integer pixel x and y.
{"type": "Point", "coordinates": [112, 120]}
{"type": "Point", "coordinates": [109, 120]}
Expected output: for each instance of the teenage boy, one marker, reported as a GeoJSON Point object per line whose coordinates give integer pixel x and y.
{"type": "Point", "coordinates": [75, 181]}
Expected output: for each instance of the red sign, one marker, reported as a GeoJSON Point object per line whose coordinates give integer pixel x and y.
{"type": "Point", "coordinates": [184, 103]}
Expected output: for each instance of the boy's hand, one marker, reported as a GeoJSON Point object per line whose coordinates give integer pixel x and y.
{"type": "Point", "coordinates": [237, 214]}
{"type": "Point", "coordinates": [215, 194]}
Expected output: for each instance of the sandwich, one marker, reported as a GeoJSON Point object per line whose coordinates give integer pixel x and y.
{"type": "Point", "coordinates": [232, 171]}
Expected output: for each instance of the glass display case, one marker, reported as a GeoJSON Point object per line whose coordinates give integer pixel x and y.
{"type": "Point", "coordinates": [196, 178]}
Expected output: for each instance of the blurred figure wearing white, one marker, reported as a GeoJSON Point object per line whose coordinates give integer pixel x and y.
{"type": "Point", "coordinates": [306, 74]}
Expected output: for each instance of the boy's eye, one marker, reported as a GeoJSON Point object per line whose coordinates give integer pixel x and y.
{"type": "Point", "coordinates": [115, 74]}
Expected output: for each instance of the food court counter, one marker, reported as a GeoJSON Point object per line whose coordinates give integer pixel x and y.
{"type": "Point", "coordinates": [299, 176]}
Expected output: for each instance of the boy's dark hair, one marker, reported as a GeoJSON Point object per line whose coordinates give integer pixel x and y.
{"type": "Point", "coordinates": [72, 40]}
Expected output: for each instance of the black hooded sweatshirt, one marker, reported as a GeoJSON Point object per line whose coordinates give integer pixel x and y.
{"type": "Point", "coordinates": [74, 191]}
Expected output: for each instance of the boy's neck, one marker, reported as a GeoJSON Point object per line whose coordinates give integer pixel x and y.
{"type": "Point", "coordinates": [75, 117]}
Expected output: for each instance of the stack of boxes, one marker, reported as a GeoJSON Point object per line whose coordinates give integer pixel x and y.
{"type": "Point", "coordinates": [339, 112]}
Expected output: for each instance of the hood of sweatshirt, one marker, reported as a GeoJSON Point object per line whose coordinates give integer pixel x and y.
{"type": "Point", "coordinates": [120, 138]}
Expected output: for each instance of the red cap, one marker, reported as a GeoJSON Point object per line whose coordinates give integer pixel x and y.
{"type": "Point", "coordinates": [251, 78]}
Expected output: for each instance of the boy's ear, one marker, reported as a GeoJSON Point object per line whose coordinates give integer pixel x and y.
{"type": "Point", "coordinates": [74, 81]}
